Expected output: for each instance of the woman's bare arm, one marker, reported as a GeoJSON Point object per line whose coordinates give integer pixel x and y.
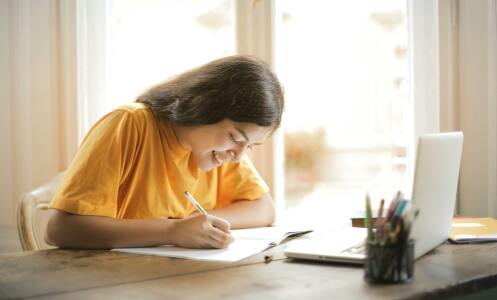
{"type": "Point", "coordinates": [197, 231]}
{"type": "Point", "coordinates": [67, 230]}
{"type": "Point", "coordinates": [248, 213]}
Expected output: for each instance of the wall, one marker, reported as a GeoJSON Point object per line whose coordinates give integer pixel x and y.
{"type": "Point", "coordinates": [477, 88]}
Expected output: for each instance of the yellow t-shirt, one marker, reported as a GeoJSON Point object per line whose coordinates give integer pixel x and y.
{"type": "Point", "coordinates": [131, 166]}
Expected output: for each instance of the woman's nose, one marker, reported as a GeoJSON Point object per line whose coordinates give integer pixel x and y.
{"type": "Point", "coordinates": [237, 154]}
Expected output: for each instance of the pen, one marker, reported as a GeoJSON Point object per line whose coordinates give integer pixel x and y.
{"type": "Point", "coordinates": [386, 233]}
{"type": "Point", "coordinates": [397, 215]}
{"type": "Point", "coordinates": [380, 213]}
{"type": "Point", "coordinates": [195, 203]}
{"type": "Point", "coordinates": [393, 206]}
{"type": "Point", "coordinates": [368, 218]}
{"type": "Point", "coordinates": [379, 220]}
{"type": "Point", "coordinates": [400, 208]}
{"type": "Point", "coordinates": [396, 231]}
{"type": "Point", "coordinates": [412, 217]}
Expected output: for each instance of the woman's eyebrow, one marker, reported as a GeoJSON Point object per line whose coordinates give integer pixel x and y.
{"type": "Point", "coordinates": [245, 136]}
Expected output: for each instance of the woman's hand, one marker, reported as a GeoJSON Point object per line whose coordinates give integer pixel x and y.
{"type": "Point", "coordinates": [201, 231]}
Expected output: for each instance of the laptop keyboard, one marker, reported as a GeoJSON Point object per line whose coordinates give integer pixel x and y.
{"type": "Point", "coordinates": [356, 249]}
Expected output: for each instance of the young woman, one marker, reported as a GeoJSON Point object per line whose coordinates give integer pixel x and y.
{"type": "Point", "coordinates": [125, 187]}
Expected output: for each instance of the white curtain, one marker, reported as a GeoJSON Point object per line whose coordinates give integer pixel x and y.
{"type": "Point", "coordinates": [38, 116]}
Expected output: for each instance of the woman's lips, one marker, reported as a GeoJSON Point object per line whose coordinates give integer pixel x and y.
{"type": "Point", "coordinates": [216, 158]}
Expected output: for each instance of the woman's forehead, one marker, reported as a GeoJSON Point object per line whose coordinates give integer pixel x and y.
{"type": "Point", "coordinates": [255, 133]}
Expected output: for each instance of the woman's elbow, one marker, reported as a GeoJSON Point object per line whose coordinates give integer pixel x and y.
{"type": "Point", "coordinates": [53, 236]}
{"type": "Point", "coordinates": [270, 217]}
{"type": "Point", "coordinates": [49, 240]}
{"type": "Point", "coordinates": [269, 210]}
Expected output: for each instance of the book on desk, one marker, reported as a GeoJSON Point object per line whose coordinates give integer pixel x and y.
{"type": "Point", "coordinates": [464, 230]}
{"type": "Point", "coordinates": [247, 242]}
{"type": "Point", "coordinates": [473, 230]}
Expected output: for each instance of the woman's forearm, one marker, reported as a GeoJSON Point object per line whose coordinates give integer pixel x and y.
{"type": "Point", "coordinates": [93, 232]}
{"type": "Point", "coordinates": [67, 230]}
{"type": "Point", "coordinates": [246, 214]}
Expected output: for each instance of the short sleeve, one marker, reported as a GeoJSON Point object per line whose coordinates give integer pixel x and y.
{"type": "Point", "coordinates": [91, 184]}
{"type": "Point", "coordinates": [239, 181]}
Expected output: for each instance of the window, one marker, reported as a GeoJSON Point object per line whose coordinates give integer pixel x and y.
{"type": "Point", "coordinates": [344, 67]}
{"type": "Point", "coordinates": [351, 119]}
{"type": "Point", "coordinates": [146, 42]}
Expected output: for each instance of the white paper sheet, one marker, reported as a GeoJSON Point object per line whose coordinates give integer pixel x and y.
{"type": "Point", "coordinates": [247, 242]}
{"type": "Point", "coordinates": [239, 249]}
{"type": "Point", "coordinates": [270, 234]}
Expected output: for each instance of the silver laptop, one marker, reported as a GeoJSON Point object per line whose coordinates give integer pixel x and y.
{"type": "Point", "coordinates": [436, 175]}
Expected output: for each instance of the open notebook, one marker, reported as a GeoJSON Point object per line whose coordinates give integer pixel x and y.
{"type": "Point", "coordinates": [247, 242]}
{"type": "Point", "coordinates": [473, 230]}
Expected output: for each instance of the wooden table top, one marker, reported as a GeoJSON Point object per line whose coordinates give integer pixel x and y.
{"type": "Point", "coordinates": [86, 274]}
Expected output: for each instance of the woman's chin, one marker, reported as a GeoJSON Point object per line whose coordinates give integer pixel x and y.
{"type": "Point", "coordinates": [207, 164]}
{"type": "Point", "coordinates": [206, 167]}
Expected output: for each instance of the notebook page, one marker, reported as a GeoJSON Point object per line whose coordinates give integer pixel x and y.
{"type": "Point", "coordinates": [239, 249]}
{"type": "Point", "coordinates": [273, 234]}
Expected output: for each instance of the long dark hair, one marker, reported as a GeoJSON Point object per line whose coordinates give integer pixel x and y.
{"type": "Point", "coordinates": [240, 88]}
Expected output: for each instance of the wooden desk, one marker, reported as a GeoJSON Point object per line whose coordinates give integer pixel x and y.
{"type": "Point", "coordinates": [449, 270]}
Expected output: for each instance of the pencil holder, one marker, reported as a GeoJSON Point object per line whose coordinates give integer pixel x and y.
{"type": "Point", "coordinates": [389, 263]}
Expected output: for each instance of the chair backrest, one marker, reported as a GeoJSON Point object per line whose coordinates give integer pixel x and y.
{"type": "Point", "coordinates": [32, 215]}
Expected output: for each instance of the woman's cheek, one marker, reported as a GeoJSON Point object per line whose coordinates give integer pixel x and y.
{"type": "Point", "coordinates": [222, 145]}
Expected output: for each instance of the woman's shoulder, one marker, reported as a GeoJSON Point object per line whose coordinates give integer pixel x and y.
{"type": "Point", "coordinates": [133, 108]}
{"type": "Point", "coordinates": [138, 112]}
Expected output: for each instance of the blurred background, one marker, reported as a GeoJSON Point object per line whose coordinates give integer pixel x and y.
{"type": "Point", "coordinates": [345, 84]}
{"type": "Point", "coordinates": [362, 80]}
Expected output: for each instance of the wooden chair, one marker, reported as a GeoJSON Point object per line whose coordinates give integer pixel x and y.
{"type": "Point", "coordinates": [32, 215]}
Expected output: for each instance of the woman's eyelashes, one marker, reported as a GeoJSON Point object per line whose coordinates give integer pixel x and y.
{"type": "Point", "coordinates": [240, 142]}
{"type": "Point", "coordinates": [234, 140]}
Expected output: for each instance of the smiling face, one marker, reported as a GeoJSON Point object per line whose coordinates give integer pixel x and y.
{"type": "Point", "coordinates": [226, 141]}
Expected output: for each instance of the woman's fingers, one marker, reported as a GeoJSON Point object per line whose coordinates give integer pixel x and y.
{"type": "Point", "coordinates": [221, 224]}
{"type": "Point", "coordinates": [203, 231]}
{"type": "Point", "coordinates": [220, 239]}
{"type": "Point", "coordinates": [220, 232]}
